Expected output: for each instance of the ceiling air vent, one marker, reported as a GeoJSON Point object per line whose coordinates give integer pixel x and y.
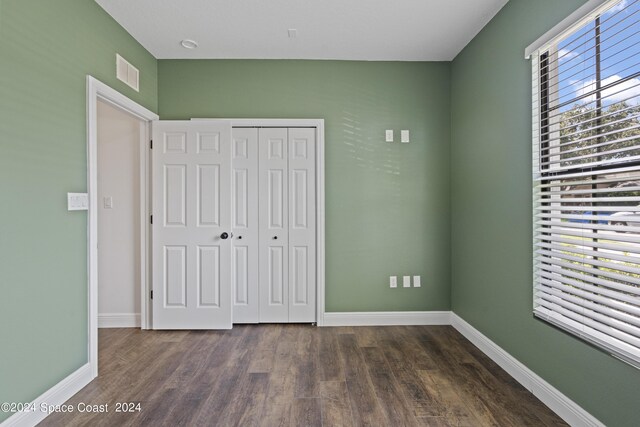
{"type": "Point", "coordinates": [127, 73]}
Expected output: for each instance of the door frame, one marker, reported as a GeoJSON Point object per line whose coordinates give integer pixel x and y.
{"type": "Point", "coordinates": [318, 124]}
{"type": "Point", "coordinates": [96, 90]}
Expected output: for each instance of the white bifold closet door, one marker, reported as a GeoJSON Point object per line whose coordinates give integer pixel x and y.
{"type": "Point", "coordinates": [281, 286]}
{"type": "Point", "coordinates": [302, 224]}
{"type": "Point", "coordinates": [191, 164]}
{"type": "Point", "coordinates": [274, 225]}
{"type": "Point", "coordinates": [244, 269]}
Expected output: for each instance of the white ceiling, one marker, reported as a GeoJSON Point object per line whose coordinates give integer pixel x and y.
{"type": "Point", "coordinates": [377, 30]}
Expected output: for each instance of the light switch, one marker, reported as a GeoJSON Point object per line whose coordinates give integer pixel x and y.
{"type": "Point", "coordinates": [108, 202]}
{"type": "Point", "coordinates": [404, 136]}
{"type": "Point", "coordinates": [77, 201]}
{"type": "Point", "coordinates": [389, 135]}
{"type": "Point", "coordinates": [406, 281]}
{"type": "Point", "coordinates": [393, 281]}
{"type": "Point", "coordinates": [416, 281]}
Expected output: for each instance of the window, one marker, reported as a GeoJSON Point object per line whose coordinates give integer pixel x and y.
{"type": "Point", "coordinates": [586, 167]}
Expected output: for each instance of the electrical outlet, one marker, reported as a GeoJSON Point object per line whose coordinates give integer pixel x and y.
{"type": "Point", "coordinates": [406, 281]}
{"type": "Point", "coordinates": [393, 281]}
{"type": "Point", "coordinates": [416, 281]}
{"type": "Point", "coordinates": [389, 135]}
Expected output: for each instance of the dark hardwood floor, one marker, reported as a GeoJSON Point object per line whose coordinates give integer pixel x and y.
{"type": "Point", "coordinates": [299, 375]}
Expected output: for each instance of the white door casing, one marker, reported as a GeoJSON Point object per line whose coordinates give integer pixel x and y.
{"type": "Point", "coordinates": [244, 270]}
{"type": "Point", "coordinates": [96, 90]}
{"type": "Point", "coordinates": [191, 164]}
{"type": "Point", "coordinates": [302, 225]}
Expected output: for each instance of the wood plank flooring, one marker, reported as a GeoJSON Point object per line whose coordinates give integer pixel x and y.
{"type": "Point", "coordinates": [300, 375]}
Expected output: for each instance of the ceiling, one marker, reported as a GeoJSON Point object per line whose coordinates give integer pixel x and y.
{"type": "Point", "coordinates": [374, 30]}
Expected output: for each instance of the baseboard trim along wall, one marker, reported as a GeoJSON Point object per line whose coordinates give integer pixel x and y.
{"type": "Point", "coordinates": [566, 408]}
{"type": "Point", "coordinates": [56, 395]}
{"type": "Point", "coordinates": [388, 318]}
{"type": "Point", "coordinates": [119, 320]}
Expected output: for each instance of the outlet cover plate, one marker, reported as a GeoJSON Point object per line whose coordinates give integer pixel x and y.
{"type": "Point", "coordinates": [404, 136]}
{"type": "Point", "coordinates": [389, 135]}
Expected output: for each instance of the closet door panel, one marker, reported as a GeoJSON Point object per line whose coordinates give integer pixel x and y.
{"type": "Point", "coordinates": [302, 224]}
{"type": "Point", "coordinates": [273, 196]}
{"type": "Point", "coordinates": [244, 272]}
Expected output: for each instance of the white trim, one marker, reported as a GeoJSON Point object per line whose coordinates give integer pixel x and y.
{"type": "Point", "coordinates": [98, 90]}
{"type": "Point", "coordinates": [566, 409]}
{"type": "Point", "coordinates": [272, 123]}
{"type": "Point", "coordinates": [583, 13]}
{"type": "Point", "coordinates": [145, 226]}
{"type": "Point", "coordinates": [320, 226]}
{"type": "Point", "coordinates": [119, 320]}
{"type": "Point", "coordinates": [56, 395]}
{"type": "Point", "coordinates": [318, 124]}
{"type": "Point", "coordinates": [388, 318]}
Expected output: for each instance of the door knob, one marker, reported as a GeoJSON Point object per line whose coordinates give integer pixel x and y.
{"type": "Point", "coordinates": [225, 235]}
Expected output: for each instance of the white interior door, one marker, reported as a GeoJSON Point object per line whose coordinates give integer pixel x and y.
{"type": "Point", "coordinates": [244, 270]}
{"type": "Point", "coordinates": [191, 225]}
{"type": "Point", "coordinates": [302, 224]}
{"type": "Point", "coordinates": [274, 225]}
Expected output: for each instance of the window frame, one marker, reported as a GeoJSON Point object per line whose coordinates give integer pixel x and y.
{"type": "Point", "coordinates": [542, 54]}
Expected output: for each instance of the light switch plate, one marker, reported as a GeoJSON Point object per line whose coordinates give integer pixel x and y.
{"type": "Point", "coordinates": [108, 202]}
{"type": "Point", "coordinates": [393, 281]}
{"type": "Point", "coordinates": [77, 201]}
{"type": "Point", "coordinates": [404, 136]}
{"type": "Point", "coordinates": [416, 281]}
{"type": "Point", "coordinates": [406, 281]}
{"type": "Point", "coordinates": [389, 135]}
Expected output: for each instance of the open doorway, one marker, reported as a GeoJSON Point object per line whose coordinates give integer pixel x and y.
{"type": "Point", "coordinates": [121, 113]}
{"type": "Point", "coordinates": [120, 197]}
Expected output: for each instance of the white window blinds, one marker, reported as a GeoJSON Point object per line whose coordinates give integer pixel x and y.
{"type": "Point", "coordinates": [586, 167]}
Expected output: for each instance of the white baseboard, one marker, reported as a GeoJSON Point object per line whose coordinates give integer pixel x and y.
{"type": "Point", "coordinates": [388, 318]}
{"type": "Point", "coordinates": [119, 320]}
{"type": "Point", "coordinates": [566, 408]}
{"type": "Point", "coordinates": [56, 395]}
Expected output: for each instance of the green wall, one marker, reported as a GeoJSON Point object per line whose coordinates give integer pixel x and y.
{"type": "Point", "coordinates": [491, 233]}
{"type": "Point", "coordinates": [387, 205]}
{"type": "Point", "coordinates": [454, 205]}
{"type": "Point", "coordinates": [46, 49]}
